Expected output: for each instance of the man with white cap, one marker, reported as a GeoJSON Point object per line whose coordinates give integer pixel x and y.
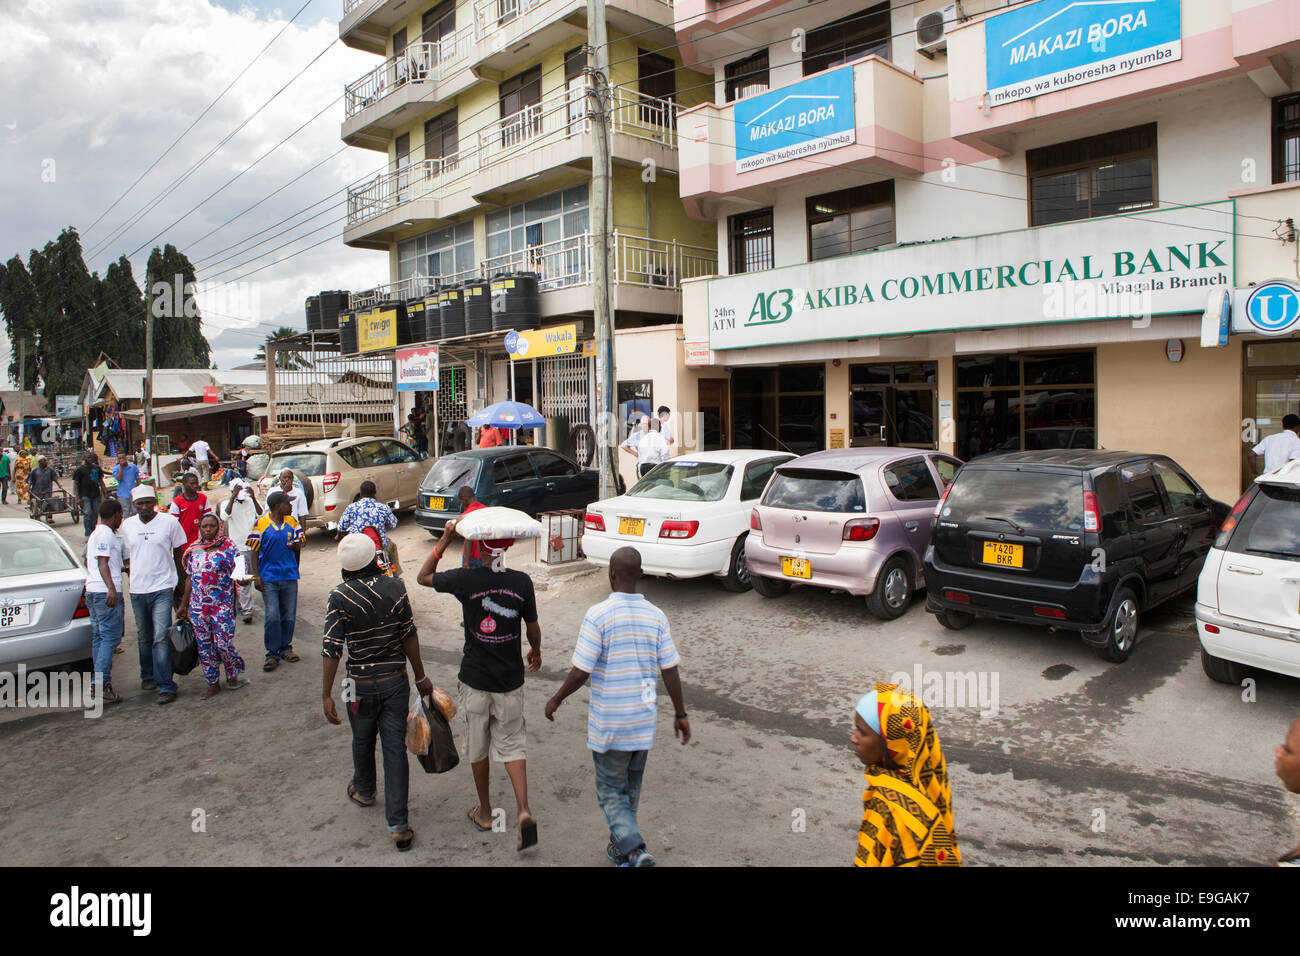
{"type": "Point", "coordinates": [153, 543]}
{"type": "Point", "coordinates": [240, 512]}
{"type": "Point", "coordinates": [370, 615]}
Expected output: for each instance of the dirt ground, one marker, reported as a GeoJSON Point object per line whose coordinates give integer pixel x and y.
{"type": "Point", "coordinates": [1177, 769]}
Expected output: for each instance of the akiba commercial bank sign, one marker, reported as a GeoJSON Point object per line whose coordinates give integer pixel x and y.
{"type": "Point", "coordinates": [1057, 44]}
{"type": "Point", "coordinates": [1132, 266]}
{"type": "Point", "coordinates": [795, 121]}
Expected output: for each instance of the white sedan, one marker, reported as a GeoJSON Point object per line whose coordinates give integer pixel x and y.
{"type": "Point", "coordinates": [688, 517]}
{"type": "Point", "coordinates": [1248, 596]}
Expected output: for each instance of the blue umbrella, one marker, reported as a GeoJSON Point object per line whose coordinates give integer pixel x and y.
{"type": "Point", "coordinates": [507, 415]}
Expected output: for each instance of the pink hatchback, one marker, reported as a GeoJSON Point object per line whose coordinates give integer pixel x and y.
{"type": "Point", "coordinates": [854, 519]}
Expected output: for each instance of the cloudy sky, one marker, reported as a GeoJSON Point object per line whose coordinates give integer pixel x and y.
{"type": "Point", "coordinates": [93, 91]}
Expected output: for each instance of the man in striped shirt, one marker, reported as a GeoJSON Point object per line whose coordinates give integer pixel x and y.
{"type": "Point", "coordinates": [623, 646]}
{"type": "Point", "coordinates": [370, 614]}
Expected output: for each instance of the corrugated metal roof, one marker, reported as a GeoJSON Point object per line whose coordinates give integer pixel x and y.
{"type": "Point", "coordinates": [168, 383]}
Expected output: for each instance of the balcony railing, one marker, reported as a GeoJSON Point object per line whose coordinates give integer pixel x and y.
{"type": "Point", "coordinates": [350, 5]}
{"type": "Point", "coordinates": [551, 121]}
{"type": "Point", "coordinates": [566, 264]}
{"type": "Point", "coordinates": [429, 62]}
{"type": "Point", "coordinates": [490, 16]}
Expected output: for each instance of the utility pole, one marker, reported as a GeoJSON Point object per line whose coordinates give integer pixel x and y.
{"type": "Point", "coordinates": [148, 395]}
{"type": "Point", "coordinates": [597, 110]}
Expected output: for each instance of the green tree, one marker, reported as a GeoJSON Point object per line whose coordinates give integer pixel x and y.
{"type": "Point", "coordinates": [67, 328]}
{"type": "Point", "coordinates": [119, 304]}
{"type": "Point", "coordinates": [178, 334]}
{"type": "Point", "coordinates": [19, 305]}
{"type": "Point", "coordinates": [283, 359]}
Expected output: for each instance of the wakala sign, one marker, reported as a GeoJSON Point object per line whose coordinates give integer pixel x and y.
{"type": "Point", "coordinates": [1056, 44]}
{"type": "Point", "coordinates": [1165, 261]}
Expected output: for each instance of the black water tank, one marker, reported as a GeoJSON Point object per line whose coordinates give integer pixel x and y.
{"type": "Point", "coordinates": [432, 319]}
{"type": "Point", "coordinates": [313, 313]}
{"type": "Point", "coordinates": [348, 332]}
{"type": "Point", "coordinates": [451, 312]}
{"type": "Point", "coordinates": [516, 302]}
{"type": "Point", "coordinates": [415, 319]}
{"type": "Point", "coordinates": [478, 305]}
{"type": "Point", "coordinates": [331, 305]}
{"type": "Point", "coordinates": [403, 322]}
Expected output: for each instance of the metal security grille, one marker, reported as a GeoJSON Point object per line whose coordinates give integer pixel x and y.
{"type": "Point", "coordinates": [453, 404]}
{"type": "Point", "coordinates": [314, 384]}
{"type": "Point", "coordinates": [565, 388]}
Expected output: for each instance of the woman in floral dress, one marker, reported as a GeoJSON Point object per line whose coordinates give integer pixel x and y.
{"type": "Point", "coordinates": [209, 598]}
{"type": "Point", "coordinates": [22, 469]}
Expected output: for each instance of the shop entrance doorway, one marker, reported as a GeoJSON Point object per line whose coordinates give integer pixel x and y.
{"type": "Point", "coordinates": [1271, 390]}
{"type": "Point", "coordinates": [781, 408]}
{"type": "Point", "coordinates": [893, 404]}
{"type": "Point", "coordinates": [713, 410]}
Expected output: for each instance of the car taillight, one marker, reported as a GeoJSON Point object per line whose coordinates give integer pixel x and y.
{"type": "Point", "coordinates": [82, 610]}
{"type": "Point", "coordinates": [942, 498]}
{"type": "Point", "coordinates": [860, 529]}
{"type": "Point", "coordinates": [957, 597]}
{"type": "Point", "coordinates": [1042, 611]}
{"type": "Point", "coordinates": [1212, 629]}
{"type": "Point", "coordinates": [594, 522]}
{"type": "Point", "coordinates": [330, 481]}
{"type": "Point", "coordinates": [678, 529]}
{"type": "Point", "coordinates": [754, 523]}
{"type": "Point", "coordinates": [1230, 522]}
{"type": "Point", "coordinates": [1091, 516]}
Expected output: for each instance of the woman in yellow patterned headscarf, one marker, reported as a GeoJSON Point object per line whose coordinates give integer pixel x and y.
{"type": "Point", "coordinates": [907, 806]}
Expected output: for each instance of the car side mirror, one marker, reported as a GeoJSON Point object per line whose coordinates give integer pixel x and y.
{"type": "Point", "coordinates": [1202, 501]}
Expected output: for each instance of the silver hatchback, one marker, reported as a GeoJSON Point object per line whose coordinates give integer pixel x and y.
{"type": "Point", "coordinates": [854, 519]}
{"type": "Point", "coordinates": [44, 621]}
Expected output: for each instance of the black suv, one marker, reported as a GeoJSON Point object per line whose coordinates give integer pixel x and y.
{"type": "Point", "coordinates": [1077, 540]}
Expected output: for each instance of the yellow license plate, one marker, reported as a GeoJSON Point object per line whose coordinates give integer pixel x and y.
{"type": "Point", "coordinates": [796, 567]}
{"type": "Point", "coordinates": [631, 525]}
{"type": "Point", "coordinates": [1004, 555]}
{"type": "Point", "coordinates": [438, 504]}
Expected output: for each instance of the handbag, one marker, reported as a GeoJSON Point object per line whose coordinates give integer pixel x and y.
{"type": "Point", "coordinates": [442, 755]}
{"type": "Point", "coordinates": [185, 649]}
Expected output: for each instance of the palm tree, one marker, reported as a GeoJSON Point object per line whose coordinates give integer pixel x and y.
{"type": "Point", "coordinates": [283, 358]}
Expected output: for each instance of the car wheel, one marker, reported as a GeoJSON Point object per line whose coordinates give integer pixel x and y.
{"type": "Point", "coordinates": [738, 579]}
{"type": "Point", "coordinates": [1225, 672]}
{"type": "Point", "coordinates": [955, 620]}
{"type": "Point", "coordinates": [1121, 628]}
{"type": "Point", "coordinates": [893, 594]}
{"type": "Point", "coordinates": [768, 587]}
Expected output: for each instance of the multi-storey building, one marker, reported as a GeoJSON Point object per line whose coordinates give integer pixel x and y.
{"type": "Point", "coordinates": [478, 115]}
{"type": "Point", "coordinates": [994, 225]}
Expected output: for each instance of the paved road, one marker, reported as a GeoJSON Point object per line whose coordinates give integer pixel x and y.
{"type": "Point", "coordinates": [1082, 762]}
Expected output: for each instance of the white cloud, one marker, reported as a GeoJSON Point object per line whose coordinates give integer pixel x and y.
{"type": "Point", "coordinates": [101, 88]}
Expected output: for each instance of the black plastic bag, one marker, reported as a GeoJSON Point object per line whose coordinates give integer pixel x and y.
{"type": "Point", "coordinates": [185, 649]}
{"type": "Point", "coordinates": [442, 754]}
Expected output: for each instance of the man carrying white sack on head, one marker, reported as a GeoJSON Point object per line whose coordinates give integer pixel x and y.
{"type": "Point", "coordinates": [494, 601]}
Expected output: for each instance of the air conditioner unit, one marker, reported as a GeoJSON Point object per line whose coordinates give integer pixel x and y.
{"type": "Point", "coordinates": [932, 30]}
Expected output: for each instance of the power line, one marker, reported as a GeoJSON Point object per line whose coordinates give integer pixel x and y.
{"type": "Point", "coordinates": [206, 109]}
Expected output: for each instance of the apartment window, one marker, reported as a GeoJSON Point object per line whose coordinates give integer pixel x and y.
{"type": "Point", "coordinates": [438, 22]}
{"type": "Point", "coordinates": [747, 77]}
{"type": "Point", "coordinates": [441, 140]}
{"type": "Point", "coordinates": [657, 84]}
{"type": "Point", "coordinates": [1098, 176]}
{"type": "Point", "coordinates": [749, 236]}
{"type": "Point", "coordinates": [575, 61]}
{"type": "Point", "coordinates": [1286, 138]}
{"type": "Point", "coordinates": [546, 235]}
{"type": "Point", "coordinates": [575, 85]}
{"type": "Point", "coordinates": [446, 254]}
{"type": "Point", "coordinates": [520, 93]}
{"type": "Point", "coordinates": [851, 220]}
{"type": "Point", "coordinates": [852, 38]}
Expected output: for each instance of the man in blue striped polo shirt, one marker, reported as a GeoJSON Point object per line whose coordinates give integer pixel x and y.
{"type": "Point", "coordinates": [623, 646]}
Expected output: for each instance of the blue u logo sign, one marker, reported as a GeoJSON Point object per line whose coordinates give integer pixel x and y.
{"type": "Point", "coordinates": [1273, 307]}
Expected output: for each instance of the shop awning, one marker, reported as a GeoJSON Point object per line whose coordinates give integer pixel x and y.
{"type": "Point", "coordinates": [169, 413]}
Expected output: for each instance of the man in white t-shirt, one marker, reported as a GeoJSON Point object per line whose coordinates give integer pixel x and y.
{"type": "Point", "coordinates": [201, 450]}
{"type": "Point", "coordinates": [104, 594]}
{"type": "Point", "coordinates": [647, 446]}
{"type": "Point", "coordinates": [665, 429]}
{"type": "Point", "coordinates": [290, 486]}
{"type": "Point", "coordinates": [153, 543]}
{"type": "Point", "coordinates": [1280, 448]}
{"type": "Point", "coordinates": [240, 512]}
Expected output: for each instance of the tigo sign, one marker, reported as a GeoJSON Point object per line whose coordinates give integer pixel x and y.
{"type": "Point", "coordinates": [377, 330]}
{"type": "Point", "coordinates": [417, 369]}
{"type": "Point", "coordinates": [795, 121]}
{"type": "Point", "coordinates": [1056, 44]}
{"type": "Point", "coordinates": [560, 340]}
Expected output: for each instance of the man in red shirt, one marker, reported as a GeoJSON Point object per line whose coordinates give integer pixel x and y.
{"type": "Point", "coordinates": [474, 555]}
{"type": "Point", "coordinates": [489, 436]}
{"type": "Point", "coordinates": [189, 507]}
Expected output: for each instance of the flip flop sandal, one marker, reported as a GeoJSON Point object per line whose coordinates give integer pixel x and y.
{"type": "Point", "coordinates": [527, 835]}
{"type": "Point", "coordinates": [469, 815]}
{"type": "Point", "coordinates": [271, 664]}
{"type": "Point", "coordinates": [404, 845]}
{"type": "Point", "coordinates": [357, 799]}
